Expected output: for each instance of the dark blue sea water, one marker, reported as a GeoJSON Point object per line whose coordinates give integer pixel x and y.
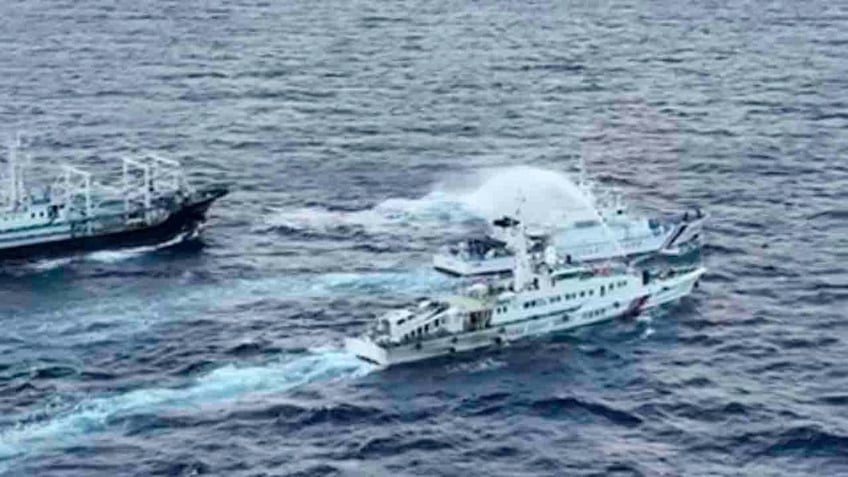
{"type": "Point", "coordinates": [360, 136]}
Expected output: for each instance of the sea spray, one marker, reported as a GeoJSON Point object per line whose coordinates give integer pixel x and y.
{"type": "Point", "coordinates": [548, 197]}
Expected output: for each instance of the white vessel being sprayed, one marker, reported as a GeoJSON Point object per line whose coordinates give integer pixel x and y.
{"type": "Point", "coordinates": [543, 296]}
{"type": "Point", "coordinates": [605, 230]}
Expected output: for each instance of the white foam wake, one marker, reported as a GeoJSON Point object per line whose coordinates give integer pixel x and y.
{"type": "Point", "coordinates": [110, 256]}
{"type": "Point", "coordinates": [386, 217]}
{"type": "Point", "coordinates": [79, 319]}
{"type": "Point", "coordinates": [117, 255]}
{"type": "Point", "coordinates": [404, 283]}
{"type": "Point", "coordinates": [51, 263]}
{"type": "Point", "coordinates": [223, 384]}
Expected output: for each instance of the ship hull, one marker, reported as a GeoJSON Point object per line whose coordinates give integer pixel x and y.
{"type": "Point", "coordinates": [683, 232]}
{"type": "Point", "coordinates": [499, 335]}
{"type": "Point", "coordinates": [453, 265]}
{"type": "Point", "coordinates": [183, 222]}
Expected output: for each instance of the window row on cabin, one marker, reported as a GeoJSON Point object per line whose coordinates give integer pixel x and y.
{"type": "Point", "coordinates": [422, 330]}
{"type": "Point", "coordinates": [599, 311]}
{"type": "Point", "coordinates": [31, 215]}
{"type": "Point", "coordinates": [626, 243]}
{"type": "Point", "coordinates": [567, 296]}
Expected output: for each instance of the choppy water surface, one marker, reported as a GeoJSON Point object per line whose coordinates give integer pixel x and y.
{"type": "Point", "coordinates": [362, 135]}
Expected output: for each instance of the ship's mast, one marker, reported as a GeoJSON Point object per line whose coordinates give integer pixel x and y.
{"type": "Point", "coordinates": [16, 194]}
{"type": "Point", "coordinates": [522, 272]}
{"type": "Point", "coordinates": [13, 183]}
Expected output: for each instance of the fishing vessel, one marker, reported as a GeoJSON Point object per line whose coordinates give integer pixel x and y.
{"type": "Point", "coordinates": [607, 229]}
{"type": "Point", "coordinates": [544, 295]}
{"type": "Point", "coordinates": [63, 209]}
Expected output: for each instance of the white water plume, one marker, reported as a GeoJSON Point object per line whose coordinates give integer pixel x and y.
{"type": "Point", "coordinates": [548, 197]}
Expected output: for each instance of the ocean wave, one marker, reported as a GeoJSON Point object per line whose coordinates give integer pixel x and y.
{"type": "Point", "coordinates": [558, 406]}
{"type": "Point", "coordinates": [809, 440]}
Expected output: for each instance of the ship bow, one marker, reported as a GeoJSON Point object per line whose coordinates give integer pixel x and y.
{"type": "Point", "coordinates": [366, 350]}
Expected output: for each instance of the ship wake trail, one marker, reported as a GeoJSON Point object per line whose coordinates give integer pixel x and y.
{"type": "Point", "coordinates": [223, 384]}
{"type": "Point", "coordinates": [80, 320]}
{"type": "Point", "coordinates": [548, 198]}
{"type": "Point", "coordinates": [110, 256]}
{"type": "Point", "coordinates": [113, 256]}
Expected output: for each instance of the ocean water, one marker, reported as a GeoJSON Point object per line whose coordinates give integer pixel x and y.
{"type": "Point", "coordinates": [361, 135]}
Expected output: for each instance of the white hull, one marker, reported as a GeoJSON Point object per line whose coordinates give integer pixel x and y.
{"type": "Point", "coordinates": [548, 320]}
{"type": "Point", "coordinates": [584, 245]}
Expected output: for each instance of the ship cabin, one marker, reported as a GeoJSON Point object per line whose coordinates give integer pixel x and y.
{"type": "Point", "coordinates": [37, 214]}
{"type": "Point", "coordinates": [479, 248]}
{"type": "Point", "coordinates": [435, 318]}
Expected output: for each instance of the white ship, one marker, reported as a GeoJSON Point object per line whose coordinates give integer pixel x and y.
{"type": "Point", "coordinates": [587, 241]}
{"type": "Point", "coordinates": [612, 231]}
{"type": "Point", "coordinates": [543, 296]}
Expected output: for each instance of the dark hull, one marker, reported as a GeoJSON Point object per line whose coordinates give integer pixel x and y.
{"type": "Point", "coordinates": [183, 222]}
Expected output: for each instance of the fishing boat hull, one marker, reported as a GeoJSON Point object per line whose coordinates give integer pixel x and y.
{"type": "Point", "coordinates": [661, 293]}
{"type": "Point", "coordinates": [184, 222]}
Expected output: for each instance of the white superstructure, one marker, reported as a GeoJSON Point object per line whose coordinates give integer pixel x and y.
{"type": "Point", "coordinates": [544, 295]}
{"type": "Point", "coordinates": [611, 231]}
